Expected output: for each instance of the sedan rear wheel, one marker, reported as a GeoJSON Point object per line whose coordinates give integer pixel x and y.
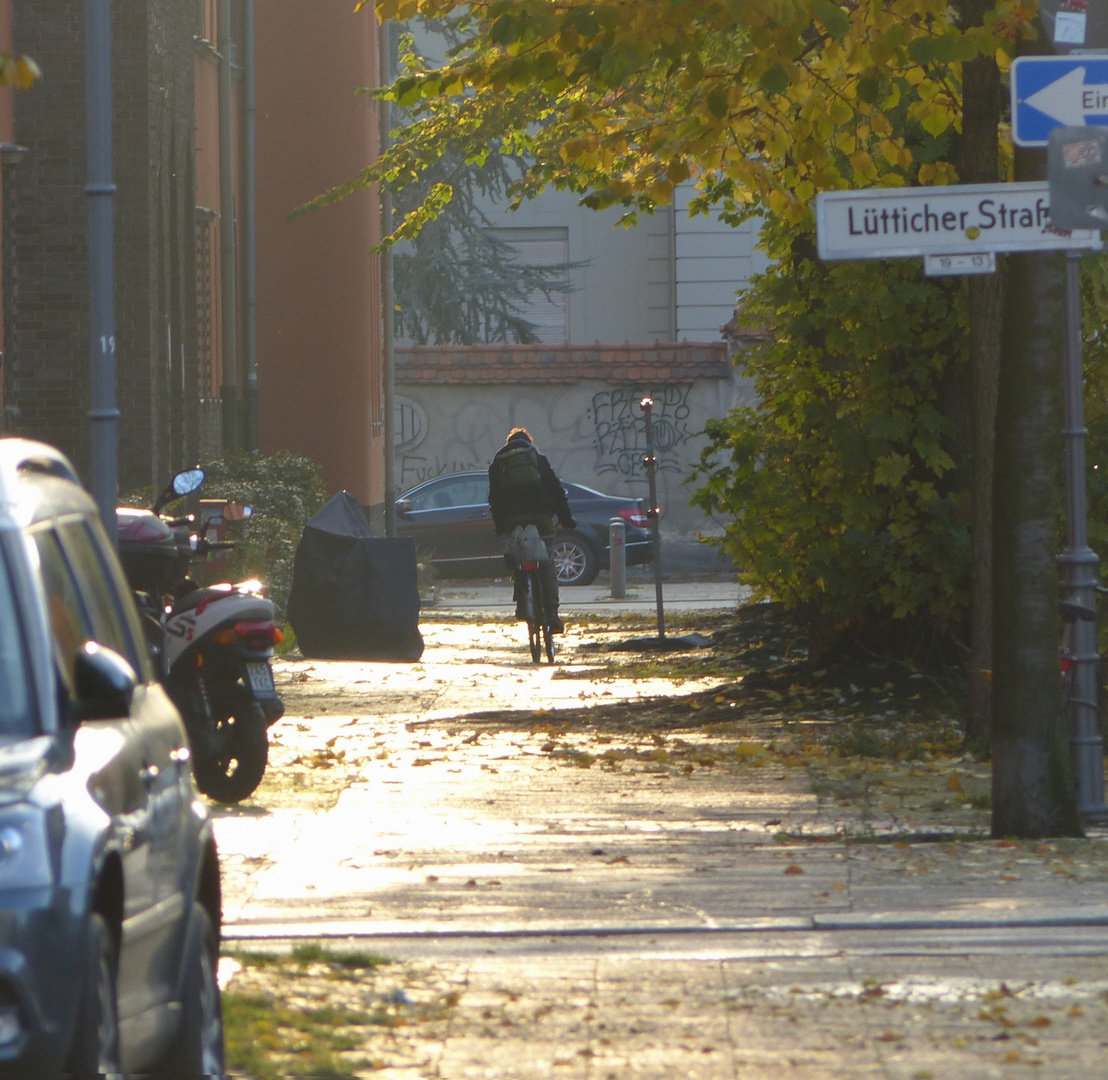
{"type": "Point", "coordinates": [575, 561]}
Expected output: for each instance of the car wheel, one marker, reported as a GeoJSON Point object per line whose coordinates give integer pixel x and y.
{"type": "Point", "coordinates": [575, 561]}
{"type": "Point", "coordinates": [198, 1049]}
{"type": "Point", "coordinates": [94, 1052]}
{"type": "Point", "coordinates": [232, 764]}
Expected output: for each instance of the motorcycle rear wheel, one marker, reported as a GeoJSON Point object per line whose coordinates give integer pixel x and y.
{"type": "Point", "coordinates": [239, 751]}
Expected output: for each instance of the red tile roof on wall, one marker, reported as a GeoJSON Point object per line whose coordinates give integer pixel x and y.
{"type": "Point", "coordinates": [487, 364]}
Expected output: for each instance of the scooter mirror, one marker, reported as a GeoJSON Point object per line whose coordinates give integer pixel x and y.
{"type": "Point", "coordinates": [188, 481]}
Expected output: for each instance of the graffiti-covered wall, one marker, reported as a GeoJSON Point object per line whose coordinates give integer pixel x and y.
{"type": "Point", "coordinates": [582, 405]}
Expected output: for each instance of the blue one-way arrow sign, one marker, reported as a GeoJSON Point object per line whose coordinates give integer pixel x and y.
{"type": "Point", "coordinates": [1056, 91]}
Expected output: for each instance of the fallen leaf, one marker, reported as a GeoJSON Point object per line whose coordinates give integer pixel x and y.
{"type": "Point", "coordinates": [954, 784]}
{"type": "Point", "coordinates": [617, 859]}
{"type": "Point", "coordinates": [839, 886]}
{"type": "Point", "coordinates": [1041, 1022]}
{"type": "Point", "coordinates": [792, 868]}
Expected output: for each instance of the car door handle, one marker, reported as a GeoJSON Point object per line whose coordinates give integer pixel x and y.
{"type": "Point", "coordinates": [480, 515]}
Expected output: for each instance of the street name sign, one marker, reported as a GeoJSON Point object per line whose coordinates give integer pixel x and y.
{"type": "Point", "coordinates": [962, 219]}
{"type": "Point", "coordinates": [1053, 91]}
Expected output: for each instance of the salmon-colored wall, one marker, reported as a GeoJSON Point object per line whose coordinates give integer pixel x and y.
{"type": "Point", "coordinates": [318, 316]}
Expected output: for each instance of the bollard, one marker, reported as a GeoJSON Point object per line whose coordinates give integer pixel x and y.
{"type": "Point", "coordinates": [617, 557]}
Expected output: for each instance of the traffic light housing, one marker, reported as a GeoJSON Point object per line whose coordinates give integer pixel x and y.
{"type": "Point", "coordinates": [1077, 169]}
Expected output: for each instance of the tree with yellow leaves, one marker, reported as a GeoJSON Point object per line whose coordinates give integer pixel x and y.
{"type": "Point", "coordinates": [760, 104]}
{"type": "Point", "coordinates": [18, 71]}
{"type": "Point", "coordinates": [757, 101]}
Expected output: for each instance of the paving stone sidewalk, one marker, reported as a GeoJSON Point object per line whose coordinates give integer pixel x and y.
{"type": "Point", "coordinates": [627, 920]}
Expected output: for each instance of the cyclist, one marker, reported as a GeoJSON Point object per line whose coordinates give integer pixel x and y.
{"type": "Point", "coordinates": [523, 490]}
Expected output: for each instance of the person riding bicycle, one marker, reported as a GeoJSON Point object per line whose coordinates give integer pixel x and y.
{"type": "Point", "coordinates": [523, 490]}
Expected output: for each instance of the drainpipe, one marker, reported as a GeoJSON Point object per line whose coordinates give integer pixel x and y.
{"type": "Point", "coordinates": [388, 372]}
{"type": "Point", "coordinates": [250, 232]}
{"type": "Point", "coordinates": [228, 293]}
{"type": "Point", "coordinates": [100, 189]}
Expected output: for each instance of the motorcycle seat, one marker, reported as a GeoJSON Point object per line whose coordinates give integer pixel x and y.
{"type": "Point", "coordinates": [201, 596]}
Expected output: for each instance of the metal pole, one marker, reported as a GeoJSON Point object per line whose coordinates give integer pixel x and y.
{"type": "Point", "coordinates": [388, 367]}
{"type": "Point", "coordinates": [250, 228]}
{"type": "Point", "coordinates": [229, 392]}
{"type": "Point", "coordinates": [103, 414]}
{"type": "Point", "coordinates": [653, 511]}
{"type": "Point", "coordinates": [1079, 566]}
{"type": "Point", "coordinates": [617, 558]}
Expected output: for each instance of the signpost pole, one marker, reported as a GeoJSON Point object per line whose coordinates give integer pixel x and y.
{"type": "Point", "coordinates": [651, 462]}
{"type": "Point", "coordinates": [1079, 572]}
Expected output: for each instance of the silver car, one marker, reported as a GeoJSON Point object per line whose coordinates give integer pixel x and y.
{"type": "Point", "coordinates": [109, 878]}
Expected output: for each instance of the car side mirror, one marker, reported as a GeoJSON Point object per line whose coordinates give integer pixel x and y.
{"type": "Point", "coordinates": [402, 506]}
{"type": "Point", "coordinates": [105, 683]}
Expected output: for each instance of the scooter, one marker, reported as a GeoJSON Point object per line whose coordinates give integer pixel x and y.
{"type": "Point", "coordinates": [211, 645]}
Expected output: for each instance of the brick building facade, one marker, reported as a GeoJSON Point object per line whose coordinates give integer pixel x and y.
{"type": "Point", "coordinates": [155, 268]}
{"type": "Point", "coordinates": [317, 292]}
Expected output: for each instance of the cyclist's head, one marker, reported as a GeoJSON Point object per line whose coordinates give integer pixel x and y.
{"type": "Point", "coordinates": [519, 433]}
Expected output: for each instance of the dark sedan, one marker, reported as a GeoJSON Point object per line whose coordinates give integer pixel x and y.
{"type": "Point", "coordinates": [449, 519]}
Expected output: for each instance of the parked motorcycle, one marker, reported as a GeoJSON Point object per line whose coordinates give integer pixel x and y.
{"type": "Point", "coordinates": [211, 644]}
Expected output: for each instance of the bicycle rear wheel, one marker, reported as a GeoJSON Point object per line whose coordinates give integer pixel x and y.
{"type": "Point", "coordinates": [533, 630]}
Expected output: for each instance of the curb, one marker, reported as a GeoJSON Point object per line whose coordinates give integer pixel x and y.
{"type": "Point", "coordinates": [877, 921]}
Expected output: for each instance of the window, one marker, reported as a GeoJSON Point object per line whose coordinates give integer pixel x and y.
{"type": "Point", "coordinates": [15, 711]}
{"type": "Point", "coordinates": [546, 248]}
{"type": "Point", "coordinates": [100, 593]}
{"type": "Point", "coordinates": [68, 618]}
{"type": "Point", "coordinates": [446, 494]}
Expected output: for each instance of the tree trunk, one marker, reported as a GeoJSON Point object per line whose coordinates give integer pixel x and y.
{"type": "Point", "coordinates": [1033, 789]}
{"type": "Point", "coordinates": [979, 164]}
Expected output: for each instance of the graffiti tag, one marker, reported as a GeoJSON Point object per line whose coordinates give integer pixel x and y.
{"type": "Point", "coordinates": [621, 429]}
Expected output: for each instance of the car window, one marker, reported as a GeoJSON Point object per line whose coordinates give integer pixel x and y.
{"type": "Point", "coordinates": [69, 620]}
{"type": "Point", "coordinates": [451, 492]}
{"type": "Point", "coordinates": [99, 590]}
{"type": "Point", "coordinates": [15, 700]}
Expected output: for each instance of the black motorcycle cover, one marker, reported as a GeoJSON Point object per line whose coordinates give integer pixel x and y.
{"type": "Point", "coordinates": [354, 596]}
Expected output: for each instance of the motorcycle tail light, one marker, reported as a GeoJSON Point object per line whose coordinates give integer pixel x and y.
{"type": "Point", "coordinates": [259, 634]}
{"type": "Point", "coordinates": [263, 633]}
{"type": "Point", "coordinates": [634, 517]}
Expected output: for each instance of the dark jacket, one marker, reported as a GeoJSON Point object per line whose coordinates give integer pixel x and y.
{"type": "Point", "coordinates": [537, 506]}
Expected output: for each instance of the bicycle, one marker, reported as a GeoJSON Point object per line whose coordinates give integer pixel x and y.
{"type": "Point", "coordinates": [529, 549]}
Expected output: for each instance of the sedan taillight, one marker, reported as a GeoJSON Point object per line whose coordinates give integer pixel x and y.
{"type": "Point", "coordinates": [635, 517]}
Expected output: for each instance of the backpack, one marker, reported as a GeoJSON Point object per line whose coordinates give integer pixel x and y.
{"type": "Point", "coordinates": [518, 470]}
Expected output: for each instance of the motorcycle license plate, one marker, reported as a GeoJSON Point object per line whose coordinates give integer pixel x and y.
{"type": "Point", "coordinates": [260, 679]}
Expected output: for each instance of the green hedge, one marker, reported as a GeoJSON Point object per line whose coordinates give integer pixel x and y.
{"type": "Point", "coordinates": [283, 491]}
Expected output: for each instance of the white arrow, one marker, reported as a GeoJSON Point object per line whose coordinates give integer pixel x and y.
{"type": "Point", "coordinates": [1069, 101]}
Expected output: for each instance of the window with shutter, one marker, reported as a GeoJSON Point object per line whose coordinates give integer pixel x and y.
{"type": "Point", "coordinates": [547, 248]}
